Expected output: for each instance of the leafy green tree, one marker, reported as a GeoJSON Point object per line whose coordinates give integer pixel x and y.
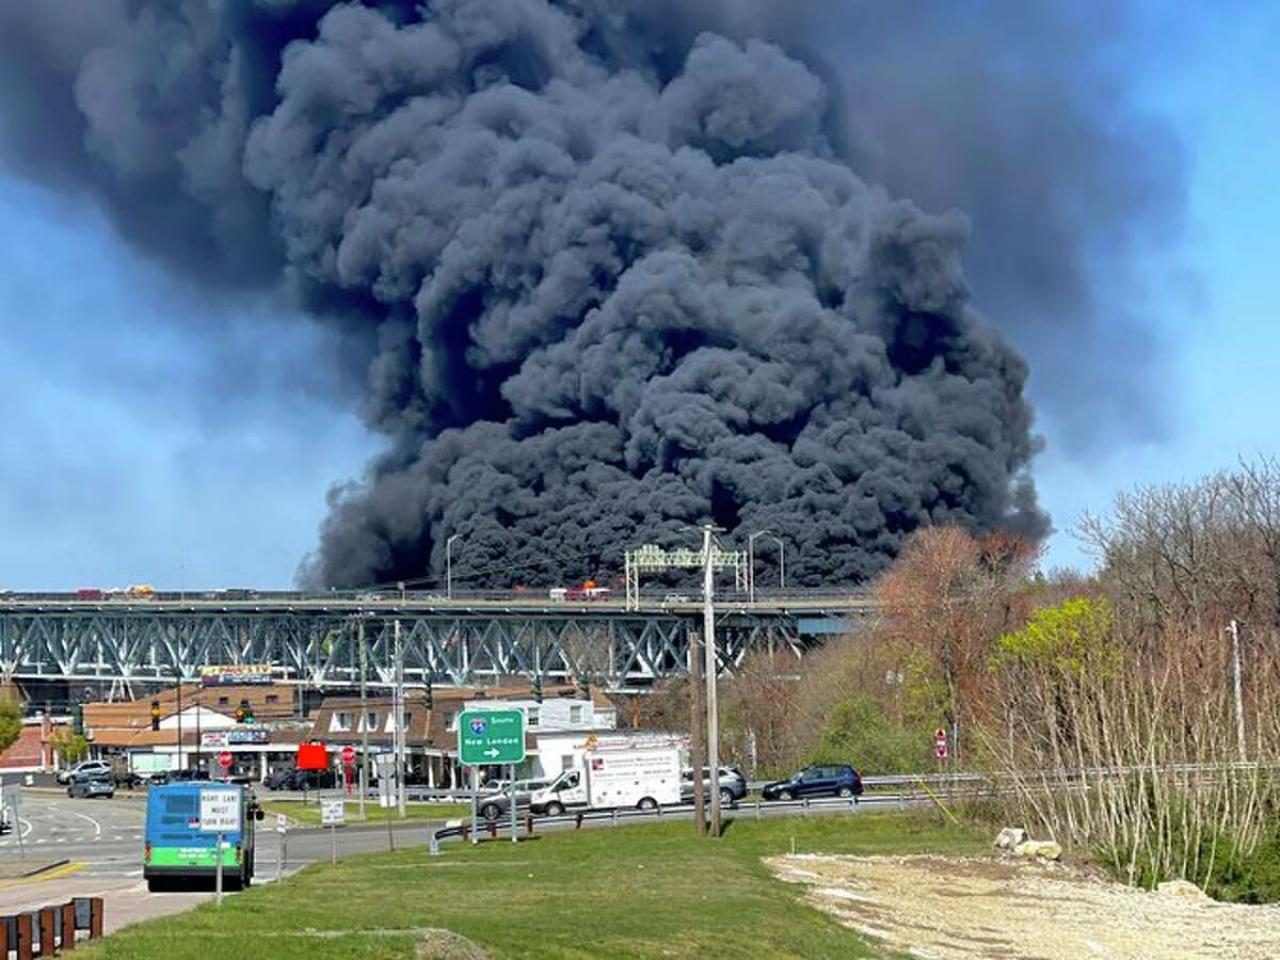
{"type": "Point", "coordinates": [857, 731]}
{"type": "Point", "coordinates": [72, 747]}
{"type": "Point", "coordinates": [10, 722]}
{"type": "Point", "coordinates": [1065, 639]}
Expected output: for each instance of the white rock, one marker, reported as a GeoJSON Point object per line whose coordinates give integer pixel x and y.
{"type": "Point", "coordinates": [1010, 837]}
{"type": "Point", "coordinates": [1181, 888]}
{"type": "Point", "coordinates": [1040, 849]}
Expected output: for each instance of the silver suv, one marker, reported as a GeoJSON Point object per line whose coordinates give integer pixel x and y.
{"type": "Point", "coordinates": [97, 767]}
{"type": "Point", "coordinates": [733, 785]}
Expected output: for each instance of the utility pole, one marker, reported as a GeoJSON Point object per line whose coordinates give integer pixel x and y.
{"type": "Point", "coordinates": [399, 715]}
{"type": "Point", "coordinates": [1234, 630]}
{"type": "Point", "coordinates": [181, 765]}
{"type": "Point", "coordinates": [364, 716]}
{"type": "Point", "coordinates": [697, 733]}
{"type": "Point", "coordinates": [713, 712]}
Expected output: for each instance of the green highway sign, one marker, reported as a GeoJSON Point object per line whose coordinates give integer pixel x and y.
{"type": "Point", "coordinates": [490, 736]}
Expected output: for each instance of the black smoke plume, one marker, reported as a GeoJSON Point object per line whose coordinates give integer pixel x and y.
{"type": "Point", "coordinates": [610, 266]}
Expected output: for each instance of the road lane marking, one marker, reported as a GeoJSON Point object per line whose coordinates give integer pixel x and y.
{"type": "Point", "coordinates": [97, 827]}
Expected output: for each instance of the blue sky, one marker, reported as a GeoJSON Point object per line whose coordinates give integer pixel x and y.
{"type": "Point", "coordinates": [1217, 302]}
{"type": "Point", "coordinates": [153, 435]}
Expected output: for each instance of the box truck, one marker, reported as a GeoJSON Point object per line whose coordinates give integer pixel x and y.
{"type": "Point", "coordinates": [616, 772]}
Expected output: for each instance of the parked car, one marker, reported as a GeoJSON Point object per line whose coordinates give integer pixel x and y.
{"type": "Point", "coordinates": [733, 785]}
{"type": "Point", "coordinates": [92, 783]}
{"type": "Point", "coordinates": [824, 781]}
{"type": "Point", "coordinates": [276, 779]}
{"type": "Point", "coordinates": [180, 776]}
{"type": "Point", "coordinates": [301, 780]}
{"type": "Point", "coordinates": [497, 804]}
{"type": "Point", "coordinates": [103, 767]}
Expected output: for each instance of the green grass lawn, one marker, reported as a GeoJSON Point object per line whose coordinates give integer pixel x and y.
{"type": "Point", "coordinates": [308, 814]}
{"type": "Point", "coordinates": [642, 891]}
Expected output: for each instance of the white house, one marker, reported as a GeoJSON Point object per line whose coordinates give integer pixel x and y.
{"type": "Point", "coordinates": [558, 729]}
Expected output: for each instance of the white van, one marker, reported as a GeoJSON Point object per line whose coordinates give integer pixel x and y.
{"type": "Point", "coordinates": [640, 774]}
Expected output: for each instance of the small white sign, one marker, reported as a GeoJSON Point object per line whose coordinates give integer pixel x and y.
{"type": "Point", "coordinates": [333, 813]}
{"type": "Point", "coordinates": [220, 811]}
{"type": "Point", "coordinates": [282, 823]}
{"type": "Point", "coordinates": [386, 780]}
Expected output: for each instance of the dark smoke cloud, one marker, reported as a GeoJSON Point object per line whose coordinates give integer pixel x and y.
{"type": "Point", "coordinates": [612, 262]}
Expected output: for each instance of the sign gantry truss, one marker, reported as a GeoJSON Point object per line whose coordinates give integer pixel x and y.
{"type": "Point", "coordinates": [651, 558]}
{"type": "Point", "coordinates": [322, 648]}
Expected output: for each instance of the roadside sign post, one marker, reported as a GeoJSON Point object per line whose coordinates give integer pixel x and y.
{"type": "Point", "coordinates": [940, 749]}
{"type": "Point", "coordinates": [282, 829]}
{"type": "Point", "coordinates": [475, 802]}
{"type": "Point", "coordinates": [219, 815]}
{"type": "Point", "coordinates": [333, 814]}
{"type": "Point", "coordinates": [493, 738]}
{"type": "Point", "coordinates": [514, 837]}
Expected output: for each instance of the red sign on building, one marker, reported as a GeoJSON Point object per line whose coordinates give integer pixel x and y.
{"type": "Point", "coordinates": [312, 756]}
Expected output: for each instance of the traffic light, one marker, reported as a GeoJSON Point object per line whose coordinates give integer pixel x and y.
{"type": "Point", "coordinates": [155, 714]}
{"type": "Point", "coordinates": [536, 688]}
{"type": "Point", "coordinates": [431, 700]}
{"type": "Point", "coordinates": [77, 719]}
{"type": "Point", "coordinates": [244, 712]}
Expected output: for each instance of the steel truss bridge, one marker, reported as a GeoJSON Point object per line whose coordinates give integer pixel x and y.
{"type": "Point", "coordinates": [326, 643]}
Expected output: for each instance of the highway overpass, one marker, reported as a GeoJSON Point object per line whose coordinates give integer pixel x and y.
{"type": "Point", "coordinates": [327, 640]}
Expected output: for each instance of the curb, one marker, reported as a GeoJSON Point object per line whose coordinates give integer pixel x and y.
{"type": "Point", "coordinates": [36, 870]}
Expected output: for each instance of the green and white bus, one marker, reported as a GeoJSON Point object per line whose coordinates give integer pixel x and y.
{"type": "Point", "coordinates": [176, 848]}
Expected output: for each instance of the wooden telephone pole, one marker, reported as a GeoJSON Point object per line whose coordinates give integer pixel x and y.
{"type": "Point", "coordinates": [697, 732]}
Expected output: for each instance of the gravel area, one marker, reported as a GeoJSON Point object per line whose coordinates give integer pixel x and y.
{"type": "Point", "coordinates": [945, 908]}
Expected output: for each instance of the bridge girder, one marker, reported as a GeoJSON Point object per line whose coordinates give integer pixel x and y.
{"type": "Point", "coordinates": [321, 648]}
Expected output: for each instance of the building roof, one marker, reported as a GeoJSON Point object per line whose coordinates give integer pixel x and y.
{"type": "Point", "coordinates": [424, 727]}
{"type": "Point", "coordinates": [273, 701]}
{"type": "Point", "coordinates": [23, 753]}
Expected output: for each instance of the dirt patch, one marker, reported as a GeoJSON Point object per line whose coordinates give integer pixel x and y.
{"type": "Point", "coordinates": [944, 909]}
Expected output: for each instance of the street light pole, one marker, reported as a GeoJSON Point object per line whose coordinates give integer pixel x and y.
{"type": "Point", "coordinates": [751, 564]}
{"type": "Point", "coordinates": [782, 562]}
{"type": "Point", "coordinates": [448, 566]}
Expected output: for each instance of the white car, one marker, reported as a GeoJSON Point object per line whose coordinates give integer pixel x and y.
{"type": "Point", "coordinates": [84, 766]}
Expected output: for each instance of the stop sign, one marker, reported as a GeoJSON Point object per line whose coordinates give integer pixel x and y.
{"type": "Point", "coordinates": [224, 759]}
{"type": "Point", "coordinates": [349, 756]}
